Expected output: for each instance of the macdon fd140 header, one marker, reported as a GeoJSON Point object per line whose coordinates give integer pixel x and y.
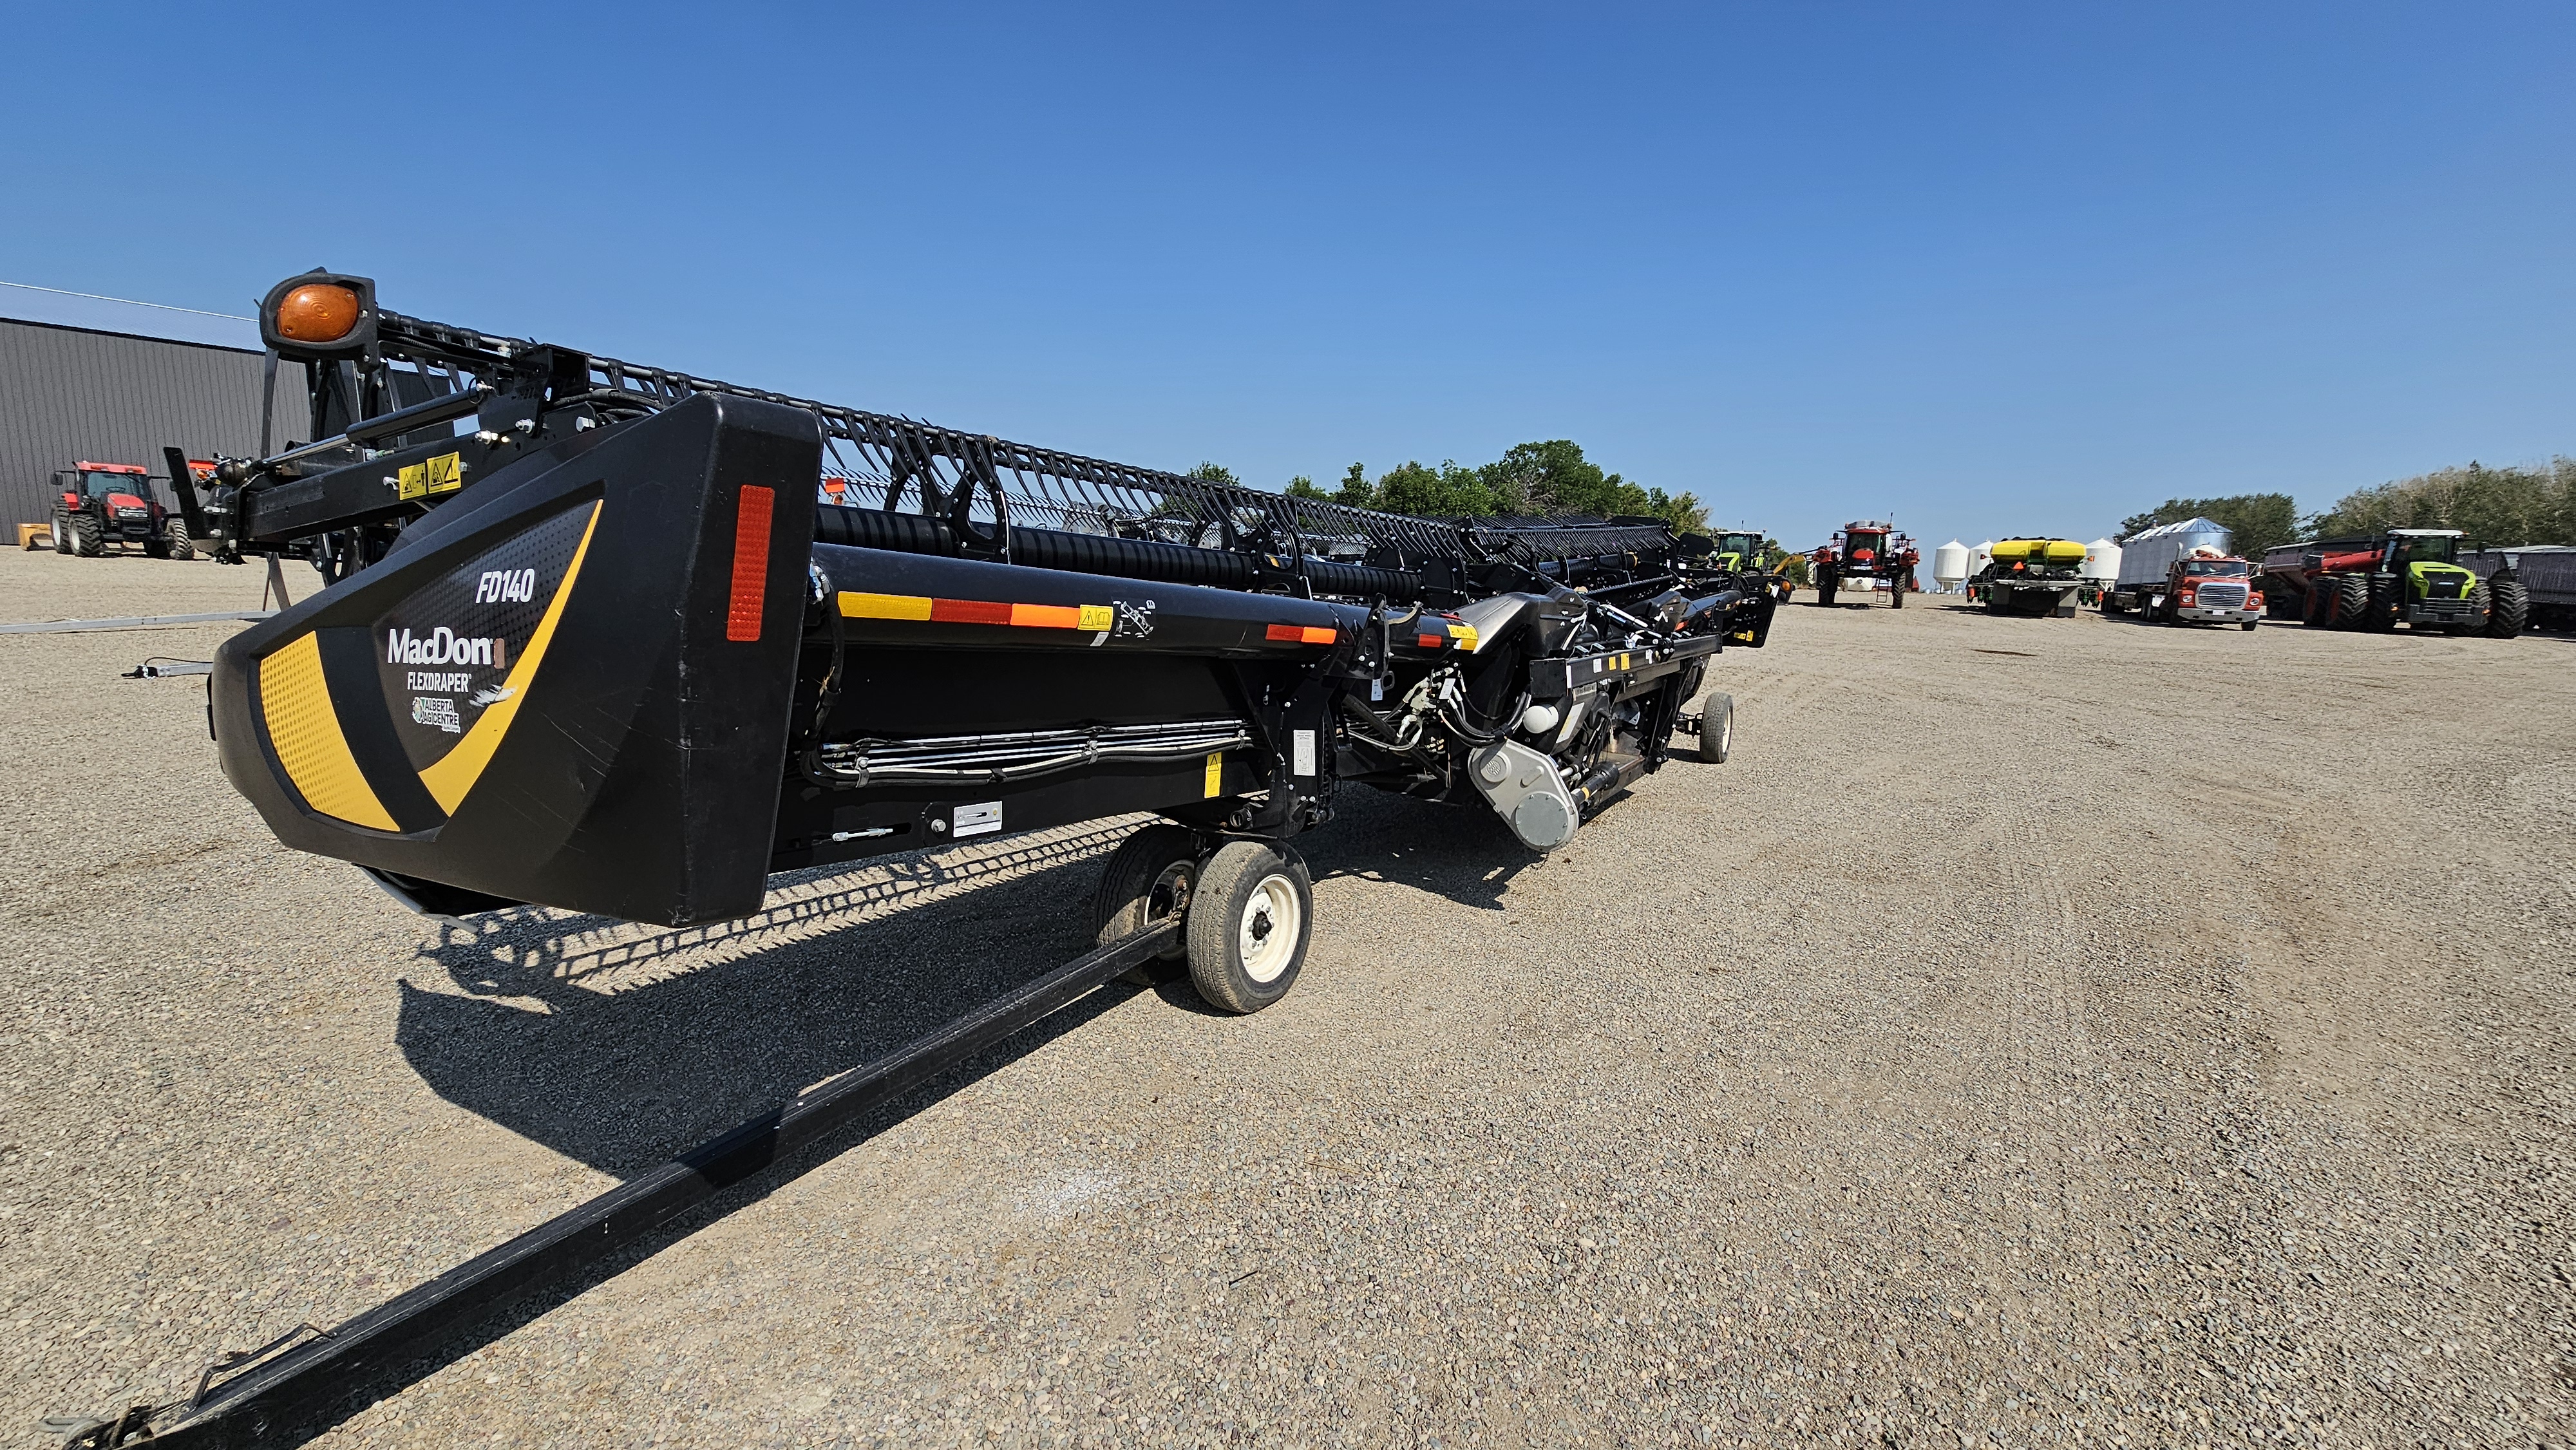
{"type": "Point", "coordinates": [632, 640]}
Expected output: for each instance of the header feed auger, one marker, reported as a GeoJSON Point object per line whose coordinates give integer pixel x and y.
{"type": "Point", "coordinates": [640, 639]}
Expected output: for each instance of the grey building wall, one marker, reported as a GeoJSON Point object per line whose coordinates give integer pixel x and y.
{"type": "Point", "coordinates": [68, 394]}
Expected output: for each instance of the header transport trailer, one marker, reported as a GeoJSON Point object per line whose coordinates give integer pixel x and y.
{"type": "Point", "coordinates": [612, 651]}
{"type": "Point", "coordinates": [623, 640]}
{"type": "Point", "coordinates": [2398, 576]}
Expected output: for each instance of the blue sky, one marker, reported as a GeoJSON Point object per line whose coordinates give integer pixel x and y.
{"type": "Point", "coordinates": [1984, 269]}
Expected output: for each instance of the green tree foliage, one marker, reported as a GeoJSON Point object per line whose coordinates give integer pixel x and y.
{"type": "Point", "coordinates": [2535, 504]}
{"type": "Point", "coordinates": [1446, 492]}
{"type": "Point", "coordinates": [1303, 487]}
{"type": "Point", "coordinates": [2257, 521]}
{"type": "Point", "coordinates": [1356, 489]}
{"type": "Point", "coordinates": [1208, 472]}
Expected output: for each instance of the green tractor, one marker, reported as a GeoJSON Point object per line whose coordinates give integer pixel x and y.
{"type": "Point", "coordinates": [1750, 554]}
{"type": "Point", "coordinates": [2401, 576]}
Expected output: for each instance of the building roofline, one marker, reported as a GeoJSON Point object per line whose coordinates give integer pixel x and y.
{"type": "Point", "coordinates": [120, 317]}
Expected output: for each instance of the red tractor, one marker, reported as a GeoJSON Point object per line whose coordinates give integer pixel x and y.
{"type": "Point", "coordinates": [1866, 554]}
{"type": "Point", "coordinates": [98, 504]}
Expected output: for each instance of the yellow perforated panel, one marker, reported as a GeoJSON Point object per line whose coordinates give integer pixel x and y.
{"type": "Point", "coordinates": [308, 740]}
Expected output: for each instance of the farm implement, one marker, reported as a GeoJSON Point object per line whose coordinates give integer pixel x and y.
{"type": "Point", "coordinates": [2402, 576]}
{"type": "Point", "coordinates": [621, 640]}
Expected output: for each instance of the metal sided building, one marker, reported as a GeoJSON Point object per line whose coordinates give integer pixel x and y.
{"type": "Point", "coordinates": [102, 380]}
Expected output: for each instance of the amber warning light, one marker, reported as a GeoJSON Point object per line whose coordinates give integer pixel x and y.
{"type": "Point", "coordinates": [317, 313]}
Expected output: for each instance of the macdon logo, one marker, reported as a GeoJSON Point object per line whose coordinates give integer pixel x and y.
{"type": "Point", "coordinates": [444, 646]}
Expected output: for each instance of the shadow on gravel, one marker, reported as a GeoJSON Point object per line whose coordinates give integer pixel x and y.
{"type": "Point", "coordinates": [754, 1011]}
{"type": "Point", "coordinates": [1459, 851]}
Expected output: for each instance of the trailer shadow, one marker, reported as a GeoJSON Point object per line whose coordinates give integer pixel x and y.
{"type": "Point", "coordinates": [1459, 851]}
{"type": "Point", "coordinates": [621, 1048]}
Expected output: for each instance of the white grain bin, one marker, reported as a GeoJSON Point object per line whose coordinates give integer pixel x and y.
{"type": "Point", "coordinates": [1950, 565]}
{"type": "Point", "coordinates": [2102, 560]}
{"type": "Point", "coordinates": [1979, 557]}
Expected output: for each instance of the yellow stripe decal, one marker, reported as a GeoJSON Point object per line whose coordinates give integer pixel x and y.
{"type": "Point", "coordinates": [455, 773]}
{"type": "Point", "coordinates": [306, 734]}
{"type": "Point", "coordinates": [884, 606]}
{"type": "Point", "coordinates": [1216, 774]}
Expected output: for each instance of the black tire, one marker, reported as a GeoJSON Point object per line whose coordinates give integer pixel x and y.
{"type": "Point", "coordinates": [2508, 608]}
{"type": "Point", "coordinates": [2351, 605]}
{"type": "Point", "coordinates": [1896, 596]}
{"type": "Point", "coordinates": [2248, 624]}
{"type": "Point", "coordinates": [1243, 891]}
{"type": "Point", "coordinates": [1151, 875]}
{"type": "Point", "coordinates": [181, 546]}
{"type": "Point", "coordinates": [89, 540]}
{"type": "Point", "coordinates": [1717, 729]}
{"type": "Point", "coordinates": [62, 531]}
{"type": "Point", "coordinates": [1825, 593]}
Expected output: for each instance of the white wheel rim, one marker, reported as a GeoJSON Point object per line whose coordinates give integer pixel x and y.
{"type": "Point", "coordinates": [1266, 936]}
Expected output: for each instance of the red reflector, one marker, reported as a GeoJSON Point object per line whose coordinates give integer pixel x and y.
{"type": "Point", "coordinates": [1289, 632]}
{"type": "Point", "coordinates": [1430, 641]}
{"type": "Point", "coordinates": [750, 563]}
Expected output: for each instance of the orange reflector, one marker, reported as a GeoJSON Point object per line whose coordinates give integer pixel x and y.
{"type": "Point", "coordinates": [750, 563]}
{"type": "Point", "coordinates": [317, 312]}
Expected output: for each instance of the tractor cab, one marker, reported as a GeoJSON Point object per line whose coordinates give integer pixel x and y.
{"type": "Point", "coordinates": [2422, 546]}
{"type": "Point", "coordinates": [1738, 551]}
{"type": "Point", "coordinates": [112, 485]}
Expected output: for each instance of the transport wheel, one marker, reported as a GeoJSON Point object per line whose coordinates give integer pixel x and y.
{"type": "Point", "coordinates": [1151, 875]}
{"type": "Point", "coordinates": [181, 546]}
{"type": "Point", "coordinates": [1248, 926]}
{"type": "Point", "coordinates": [2508, 608]}
{"type": "Point", "coordinates": [2352, 602]}
{"type": "Point", "coordinates": [1717, 729]}
{"type": "Point", "coordinates": [87, 540]}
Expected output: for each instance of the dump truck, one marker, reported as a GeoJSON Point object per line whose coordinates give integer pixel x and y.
{"type": "Point", "coordinates": [2032, 577]}
{"type": "Point", "coordinates": [1867, 556]}
{"type": "Point", "coordinates": [2398, 576]}
{"type": "Point", "coordinates": [2184, 573]}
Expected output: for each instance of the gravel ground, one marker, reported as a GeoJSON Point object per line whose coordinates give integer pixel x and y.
{"type": "Point", "coordinates": [2018, 1043]}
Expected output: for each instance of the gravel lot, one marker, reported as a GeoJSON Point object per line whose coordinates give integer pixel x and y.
{"type": "Point", "coordinates": [2042, 1032]}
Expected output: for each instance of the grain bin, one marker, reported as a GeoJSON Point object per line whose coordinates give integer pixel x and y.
{"type": "Point", "coordinates": [1950, 565]}
{"type": "Point", "coordinates": [2101, 560]}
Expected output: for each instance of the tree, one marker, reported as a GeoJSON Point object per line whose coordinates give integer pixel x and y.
{"type": "Point", "coordinates": [2256, 521]}
{"type": "Point", "coordinates": [2534, 504]}
{"type": "Point", "coordinates": [1303, 487]}
{"type": "Point", "coordinates": [1448, 491]}
{"type": "Point", "coordinates": [1208, 472]}
{"type": "Point", "coordinates": [1355, 489]}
